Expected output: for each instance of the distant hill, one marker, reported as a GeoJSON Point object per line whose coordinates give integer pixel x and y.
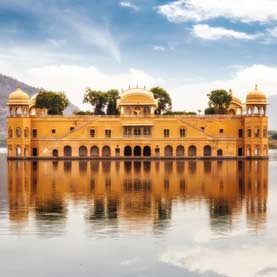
{"type": "Point", "coordinates": [8, 85]}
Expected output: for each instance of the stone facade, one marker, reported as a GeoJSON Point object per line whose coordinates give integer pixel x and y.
{"type": "Point", "coordinates": [137, 132]}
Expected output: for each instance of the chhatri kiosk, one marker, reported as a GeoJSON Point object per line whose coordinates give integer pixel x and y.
{"type": "Point", "coordinates": [137, 132]}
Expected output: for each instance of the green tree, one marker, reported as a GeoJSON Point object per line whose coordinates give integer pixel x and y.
{"type": "Point", "coordinates": [164, 100]}
{"type": "Point", "coordinates": [111, 98]}
{"type": "Point", "coordinates": [97, 99]}
{"type": "Point", "coordinates": [210, 110]}
{"type": "Point", "coordinates": [55, 102]}
{"type": "Point", "coordinates": [219, 101]}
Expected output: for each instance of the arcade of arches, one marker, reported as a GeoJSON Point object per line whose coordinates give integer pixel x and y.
{"type": "Point", "coordinates": [145, 151]}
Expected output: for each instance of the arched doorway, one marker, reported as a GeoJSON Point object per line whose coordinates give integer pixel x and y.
{"type": "Point", "coordinates": [257, 151]}
{"type": "Point", "coordinates": [249, 151]}
{"type": "Point", "coordinates": [106, 151]}
{"type": "Point", "coordinates": [192, 151]}
{"type": "Point", "coordinates": [168, 151]}
{"type": "Point", "coordinates": [18, 151]}
{"type": "Point", "coordinates": [67, 151]}
{"type": "Point", "coordinates": [219, 153]}
{"type": "Point", "coordinates": [137, 151]}
{"type": "Point", "coordinates": [128, 151]}
{"type": "Point", "coordinates": [265, 150]}
{"type": "Point", "coordinates": [180, 150]}
{"type": "Point", "coordinates": [55, 153]}
{"type": "Point", "coordinates": [94, 151]}
{"type": "Point", "coordinates": [83, 152]}
{"type": "Point", "coordinates": [146, 151]}
{"type": "Point", "coordinates": [207, 151]}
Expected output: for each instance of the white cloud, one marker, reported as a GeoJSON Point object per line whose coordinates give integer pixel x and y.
{"type": "Point", "coordinates": [239, 10]}
{"type": "Point", "coordinates": [158, 48]}
{"type": "Point", "coordinates": [129, 5]}
{"type": "Point", "coordinates": [75, 79]}
{"type": "Point", "coordinates": [205, 31]}
{"type": "Point", "coordinates": [92, 33]}
{"type": "Point", "coordinates": [242, 81]}
{"type": "Point", "coordinates": [201, 259]}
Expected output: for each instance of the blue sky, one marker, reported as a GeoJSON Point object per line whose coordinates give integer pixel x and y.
{"type": "Point", "coordinates": [187, 46]}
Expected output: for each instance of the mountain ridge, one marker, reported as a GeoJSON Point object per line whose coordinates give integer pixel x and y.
{"type": "Point", "coordinates": [8, 85]}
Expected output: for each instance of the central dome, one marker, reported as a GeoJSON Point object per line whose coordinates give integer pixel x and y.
{"type": "Point", "coordinates": [256, 97]}
{"type": "Point", "coordinates": [18, 97]}
{"type": "Point", "coordinates": [137, 96]}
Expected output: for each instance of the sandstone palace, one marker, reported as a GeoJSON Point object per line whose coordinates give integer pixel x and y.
{"type": "Point", "coordinates": [137, 132]}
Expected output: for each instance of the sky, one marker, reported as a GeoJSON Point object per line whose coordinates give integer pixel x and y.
{"type": "Point", "coordinates": [188, 47]}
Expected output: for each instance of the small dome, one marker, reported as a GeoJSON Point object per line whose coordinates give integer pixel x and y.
{"type": "Point", "coordinates": [18, 97]}
{"type": "Point", "coordinates": [256, 97]}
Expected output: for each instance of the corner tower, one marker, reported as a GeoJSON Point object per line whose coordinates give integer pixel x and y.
{"type": "Point", "coordinates": [18, 124]}
{"type": "Point", "coordinates": [256, 124]}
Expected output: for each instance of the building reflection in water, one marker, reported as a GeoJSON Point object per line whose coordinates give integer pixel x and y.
{"type": "Point", "coordinates": [141, 193]}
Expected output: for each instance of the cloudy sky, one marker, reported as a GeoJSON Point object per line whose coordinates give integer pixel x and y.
{"type": "Point", "coordinates": [188, 47]}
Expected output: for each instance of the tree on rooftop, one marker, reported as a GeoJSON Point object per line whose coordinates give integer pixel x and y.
{"type": "Point", "coordinates": [97, 99]}
{"type": "Point", "coordinates": [164, 100]}
{"type": "Point", "coordinates": [55, 102]}
{"type": "Point", "coordinates": [111, 98]}
{"type": "Point", "coordinates": [219, 101]}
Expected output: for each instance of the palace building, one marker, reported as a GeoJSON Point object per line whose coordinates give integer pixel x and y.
{"type": "Point", "coordinates": [137, 132]}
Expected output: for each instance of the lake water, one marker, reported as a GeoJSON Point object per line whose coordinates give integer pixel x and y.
{"type": "Point", "coordinates": [135, 218]}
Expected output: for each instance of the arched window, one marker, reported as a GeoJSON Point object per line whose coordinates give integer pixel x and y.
{"type": "Point", "coordinates": [67, 151]}
{"type": "Point", "coordinates": [55, 153]}
{"type": "Point", "coordinates": [18, 111]}
{"type": "Point", "coordinates": [192, 151]}
{"type": "Point", "coordinates": [146, 110]}
{"type": "Point", "coordinates": [10, 132]}
{"type": "Point", "coordinates": [207, 151]}
{"type": "Point", "coordinates": [106, 151]}
{"type": "Point", "coordinates": [146, 151]}
{"type": "Point", "coordinates": [127, 151]}
{"type": "Point", "coordinates": [127, 110]}
{"type": "Point", "coordinates": [11, 111]}
{"type": "Point", "coordinates": [168, 151]}
{"type": "Point", "coordinates": [18, 132]}
{"type": "Point", "coordinates": [219, 152]}
{"type": "Point", "coordinates": [180, 151]}
{"type": "Point", "coordinates": [137, 151]}
{"type": "Point", "coordinates": [26, 132]}
{"type": "Point", "coordinates": [83, 152]}
{"type": "Point", "coordinates": [94, 151]}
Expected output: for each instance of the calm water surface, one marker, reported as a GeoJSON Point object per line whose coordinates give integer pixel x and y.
{"type": "Point", "coordinates": [135, 218]}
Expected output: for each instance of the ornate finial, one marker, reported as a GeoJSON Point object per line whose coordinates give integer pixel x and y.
{"type": "Point", "coordinates": [129, 87]}
{"type": "Point", "coordinates": [230, 92]}
{"type": "Point", "coordinates": [256, 86]}
{"type": "Point", "coordinates": [144, 86]}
